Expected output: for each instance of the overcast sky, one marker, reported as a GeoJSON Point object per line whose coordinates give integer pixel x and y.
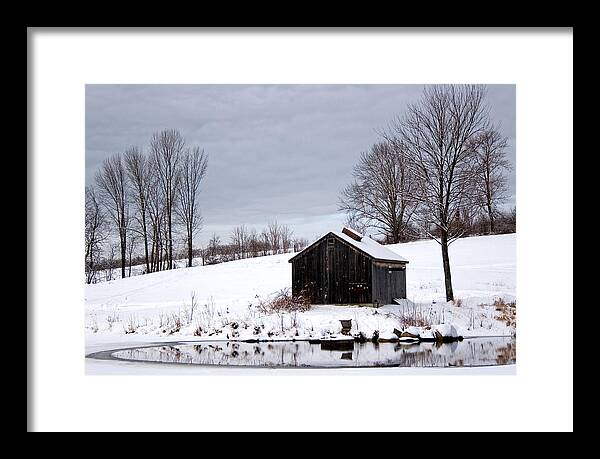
{"type": "Point", "coordinates": [275, 151]}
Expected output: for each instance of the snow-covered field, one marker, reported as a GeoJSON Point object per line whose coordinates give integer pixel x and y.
{"type": "Point", "coordinates": [157, 307]}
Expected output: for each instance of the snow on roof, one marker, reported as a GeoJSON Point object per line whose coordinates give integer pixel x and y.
{"type": "Point", "coordinates": [371, 247]}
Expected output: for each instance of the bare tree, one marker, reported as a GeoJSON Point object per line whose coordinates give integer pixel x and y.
{"type": "Point", "coordinates": [253, 243]}
{"type": "Point", "coordinates": [156, 217]}
{"type": "Point", "coordinates": [437, 132]}
{"type": "Point", "coordinates": [139, 176]}
{"type": "Point", "coordinates": [299, 244]}
{"type": "Point", "coordinates": [239, 239]}
{"type": "Point", "coordinates": [382, 195]}
{"type": "Point", "coordinates": [132, 240]}
{"type": "Point", "coordinates": [286, 234]}
{"type": "Point", "coordinates": [214, 248]}
{"type": "Point", "coordinates": [492, 165]}
{"type": "Point", "coordinates": [354, 221]}
{"type": "Point", "coordinates": [506, 222]}
{"type": "Point", "coordinates": [265, 241]}
{"type": "Point", "coordinates": [167, 148]}
{"type": "Point", "coordinates": [112, 185]}
{"type": "Point", "coordinates": [95, 232]}
{"type": "Point", "coordinates": [274, 236]}
{"type": "Point", "coordinates": [110, 261]}
{"type": "Point", "coordinates": [193, 168]}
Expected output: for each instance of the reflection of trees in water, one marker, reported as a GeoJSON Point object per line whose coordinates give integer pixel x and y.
{"type": "Point", "coordinates": [302, 354]}
{"type": "Point", "coordinates": [418, 355]}
{"type": "Point", "coordinates": [270, 354]}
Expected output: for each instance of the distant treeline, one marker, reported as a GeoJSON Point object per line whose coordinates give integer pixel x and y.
{"type": "Point", "coordinates": [466, 224]}
{"type": "Point", "coordinates": [242, 242]}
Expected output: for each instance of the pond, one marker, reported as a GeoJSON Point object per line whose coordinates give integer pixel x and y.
{"type": "Point", "coordinates": [302, 354]}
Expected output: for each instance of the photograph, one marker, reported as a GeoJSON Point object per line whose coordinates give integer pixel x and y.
{"type": "Point", "coordinates": [300, 229]}
{"type": "Point", "coordinates": [367, 228]}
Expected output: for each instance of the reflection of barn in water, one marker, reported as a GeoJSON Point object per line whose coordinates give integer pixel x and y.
{"type": "Point", "coordinates": [346, 267]}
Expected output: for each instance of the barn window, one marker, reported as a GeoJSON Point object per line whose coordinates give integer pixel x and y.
{"type": "Point", "coordinates": [330, 241]}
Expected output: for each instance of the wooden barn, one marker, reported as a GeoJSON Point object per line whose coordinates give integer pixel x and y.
{"type": "Point", "coordinates": [348, 268]}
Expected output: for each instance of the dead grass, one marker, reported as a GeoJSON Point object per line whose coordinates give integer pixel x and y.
{"type": "Point", "coordinates": [132, 325]}
{"type": "Point", "coordinates": [93, 324]}
{"type": "Point", "coordinates": [283, 302]}
{"type": "Point", "coordinates": [112, 319]}
{"type": "Point", "coordinates": [507, 311]}
{"type": "Point", "coordinates": [413, 316]}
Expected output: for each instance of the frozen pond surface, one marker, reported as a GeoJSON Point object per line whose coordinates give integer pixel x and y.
{"type": "Point", "coordinates": [301, 354]}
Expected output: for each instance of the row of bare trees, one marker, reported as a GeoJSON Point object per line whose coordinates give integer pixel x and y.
{"type": "Point", "coordinates": [247, 242]}
{"type": "Point", "coordinates": [439, 166]}
{"type": "Point", "coordinates": [145, 198]}
{"type": "Point", "coordinates": [243, 242]}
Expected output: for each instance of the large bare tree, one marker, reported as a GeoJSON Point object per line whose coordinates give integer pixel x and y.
{"type": "Point", "coordinates": [139, 175]}
{"type": "Point", "coordinates": [492, 165]}
{"type": "Point", "coordinates": [167, 148]}
{"type": "Point", "coordinates": [156, 218]}
{"type": "Point", "coordinates": [95, 232]}
{"type": "Point", "coordinates": [382, 195]}
{"type": "Point", "coordinates": [111, 180]}
{"type": "Point", "coordinates": [193, 168]}
{"type": "Point", "coordinates": [437, 133]}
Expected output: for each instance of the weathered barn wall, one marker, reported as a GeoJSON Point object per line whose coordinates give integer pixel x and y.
{"type": "Point", "coordinates": [333, 272]}
{"type": "Point", "coordinates": [389, 282]}
{"type": "Point", "coordinates": [349, 274]}
{"type": "Point", "coordinates": [309, 274]}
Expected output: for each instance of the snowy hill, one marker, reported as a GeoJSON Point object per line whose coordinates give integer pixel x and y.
{"type": "Point", "coordinates": [483, 269]}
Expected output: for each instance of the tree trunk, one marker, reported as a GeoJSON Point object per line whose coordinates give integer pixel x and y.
{"type": "Point", "coordinates": [491, 214]}
{"type": "Point", "coordinates": [145, 230]}
{"type": "Point", "coordinates": [190, 252]}
{"type": "Point", "coordinates": [170, 254]}
{"type": "Point", "coordinates": [446, 263]}
{"type": "Point", "coordinates": [123, 257]}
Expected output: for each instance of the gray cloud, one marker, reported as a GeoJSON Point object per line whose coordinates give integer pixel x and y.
{"type": "Point", "coordinates": [275, 151]}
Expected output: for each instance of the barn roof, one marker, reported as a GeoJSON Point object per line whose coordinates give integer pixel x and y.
{"type": "Point", "coordinates": [366, 245]}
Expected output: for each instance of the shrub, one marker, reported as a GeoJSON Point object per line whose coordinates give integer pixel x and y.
{"type": "Point", "coordinates": [283, 302]}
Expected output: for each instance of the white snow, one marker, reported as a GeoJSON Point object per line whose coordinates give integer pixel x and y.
{"type": "Point", "coordinates": [413, 330]}
{"type": "Point", "coordinates": [446, 330]}
{"type": "Point", "coordinates": [483, 269]}
{"type": "Point", "coordinates": [374, 248]}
